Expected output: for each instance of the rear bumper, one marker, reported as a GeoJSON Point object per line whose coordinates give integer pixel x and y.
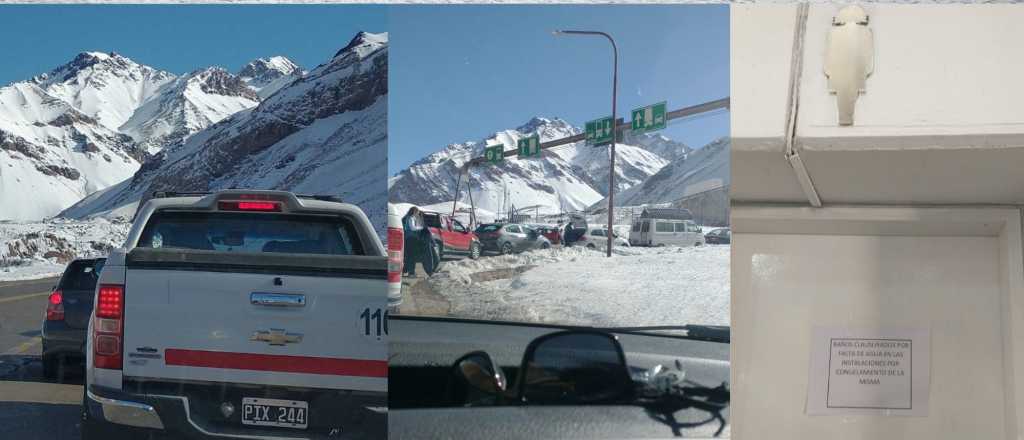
{"type": "Point", "coordinates": [120, 411]}
{"type": "Point", "coordinates": [177, 416]}
{"type": "Point", "coordinates": [59, 339]}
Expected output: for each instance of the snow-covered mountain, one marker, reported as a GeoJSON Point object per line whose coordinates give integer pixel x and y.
{"type": "Point", "coordinates": [700, 170]}
{"type": "Point", "coordinates": [324, 133]}
{"type": "Point", "coordinates": [267, 75]}
{"type": "Point", "coordinates": [569, 177]}
{"type": "Point", "coordinates": [92, 123]}
{"type": "Point", "coordinates": [187, 105]}
{"type": "Point", "coordinates": [52, 152]}
{"type": "Point", "coordinates": [106, 87]}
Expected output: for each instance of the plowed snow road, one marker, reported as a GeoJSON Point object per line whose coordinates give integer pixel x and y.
{"type": "Point", "coordinates": [30, 406]}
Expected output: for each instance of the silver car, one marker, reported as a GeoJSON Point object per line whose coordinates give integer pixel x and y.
{"type": "Point", "coordinates": [507, 238]}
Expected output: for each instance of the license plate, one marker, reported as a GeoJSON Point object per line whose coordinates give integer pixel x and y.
{"type": "Point", "coordinates": [275, 412]}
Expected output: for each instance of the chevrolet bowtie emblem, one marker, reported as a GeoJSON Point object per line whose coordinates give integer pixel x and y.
{"type": "Point", "coordinates": [276, 336]}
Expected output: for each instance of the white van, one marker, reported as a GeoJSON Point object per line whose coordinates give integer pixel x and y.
{"type": "Point", "coordinates": [665, 232]}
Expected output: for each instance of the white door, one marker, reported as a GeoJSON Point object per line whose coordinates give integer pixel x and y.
{"type": "Point", "coordinates": [665, 233]}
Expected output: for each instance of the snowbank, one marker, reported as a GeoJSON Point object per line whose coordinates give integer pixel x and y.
{"type": "Point", "coordinates": [636, 286]}
{"type": "Point", "coordinates": [40, 250]}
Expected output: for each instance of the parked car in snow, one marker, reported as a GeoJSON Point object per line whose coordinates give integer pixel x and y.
{"type": "Point", "coordinates": [511, 237]}
{"type": "Point", "coordinates": [221, 317]}
{"type": "Point", "coordinates": [718, 236]}
{"type": "Point", "coordinates": [664, 232]}
{"type": "Point", "coordinates": [552, 233]}
{"type": "Point", "coordinates": [665, 227]}
{"type": "Point", "coordinates": [454, 240]}
{"type": "Point", "coordinates": [67, 315]}
{"type": "Point", "coordinates": [595, 238]}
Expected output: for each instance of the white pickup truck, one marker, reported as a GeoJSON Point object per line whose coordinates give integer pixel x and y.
{"type": "Point", "coordinates": [241, 314]}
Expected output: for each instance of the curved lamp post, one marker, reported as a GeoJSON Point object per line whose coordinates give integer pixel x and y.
{"type": "Point", "coordinates": [615, 87]}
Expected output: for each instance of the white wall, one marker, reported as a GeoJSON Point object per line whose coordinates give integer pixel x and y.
{"type": "Point", "coordinates": [939, 70]}
{"type": "Point", "coordinates": [761, 42]}
{"type": "Point", "coordinates": [941, 122]}
{"type": "Point", "coordinates": [959, 276]}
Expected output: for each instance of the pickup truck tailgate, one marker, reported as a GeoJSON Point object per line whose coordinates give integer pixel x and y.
{"type": "Point", "coordinates": [260, 327]}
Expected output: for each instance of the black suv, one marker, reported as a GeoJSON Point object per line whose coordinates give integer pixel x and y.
{"type": "Point", "coordinates": [67, 314]}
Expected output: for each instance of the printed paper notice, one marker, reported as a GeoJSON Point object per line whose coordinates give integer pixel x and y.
{"type": "Point", "coordinates": [869, 371]}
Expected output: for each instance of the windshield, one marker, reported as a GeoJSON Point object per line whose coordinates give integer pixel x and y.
{"type": "Point", "coordinates": [551, 262]}
{"type": "Point", "coordinates": [251, 232]}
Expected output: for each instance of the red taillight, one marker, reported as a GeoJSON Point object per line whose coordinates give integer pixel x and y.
{"type": "Point", "coordinates": [396, 241]}
{"type": "Point", "coordinates": [110, 301]}
{"type": "Point", "coordinates": [249, 206]}
{"type": "Point", "coordinates": [108, 328]}
{"type": "Point", "coordinates": [55, 307]}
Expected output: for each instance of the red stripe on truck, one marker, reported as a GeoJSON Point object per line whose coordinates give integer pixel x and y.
{"type": "Point", "coordinates": [281, 363]}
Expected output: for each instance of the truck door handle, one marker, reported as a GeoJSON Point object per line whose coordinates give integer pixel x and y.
{"type": "Point", "coordinates": [277, 299]}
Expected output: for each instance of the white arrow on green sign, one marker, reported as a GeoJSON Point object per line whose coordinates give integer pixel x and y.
{"type": "Point", "coordinates": [649, 118]}
{"type": "Point", "coordinates": [529, 146]}
{"type": "Point", "coordinates": [599, 131]}
{"type": "Point", "coordinates": [494, 153]}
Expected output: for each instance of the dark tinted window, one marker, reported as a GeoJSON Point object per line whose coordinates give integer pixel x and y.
{"type": "Point", "coordinates": [432, 220]}
{"type": "Point", "coordinates": [252, 232]}
{"type": "Point", "coordinates": [80, 275]}
{"type": "Point", "coordinates": [488, 228]}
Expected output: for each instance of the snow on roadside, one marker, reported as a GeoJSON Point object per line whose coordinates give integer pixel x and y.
{"type": "Point", "coordinates": [636, 286]}
{"type": "Point", "coordinates": [41, 249]}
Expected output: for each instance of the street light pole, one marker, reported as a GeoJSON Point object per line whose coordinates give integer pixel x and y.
{"type": "Point", "coordinates": [615, 122]}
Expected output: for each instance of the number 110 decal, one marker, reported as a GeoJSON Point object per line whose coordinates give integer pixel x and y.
{"type": "Point", "coordinates": [373, 322]}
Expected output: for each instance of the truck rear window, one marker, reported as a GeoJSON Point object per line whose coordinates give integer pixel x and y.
{"type": "Point", "coordinates": [81, 275]}
{"type": "Point", "coordinates": [252, 232]}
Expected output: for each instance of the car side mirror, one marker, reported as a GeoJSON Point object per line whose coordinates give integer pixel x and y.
{"type": "Point", "coordinates": [574, 367]}
{"type": "Point", "coordinates": [480, 379]}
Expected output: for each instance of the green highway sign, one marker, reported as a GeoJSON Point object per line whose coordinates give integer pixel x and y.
{"type": "Point", "coordinates": [649, 118]}
{"type": "Point", "coordinates": [599, 131]}
{"type": "Point", "coordinates": [529, 146]}
{"type": "Point", "coordinates": [494, 153]}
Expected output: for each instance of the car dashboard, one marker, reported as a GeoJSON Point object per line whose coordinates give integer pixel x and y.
{"type": "Point", "coordinates": [423, 350]}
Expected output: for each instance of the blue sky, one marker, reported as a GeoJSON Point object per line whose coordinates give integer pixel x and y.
{"type": "Point", "coordinates": [37, 38]}
{"type": "Point", "coordinates": [460, 73]}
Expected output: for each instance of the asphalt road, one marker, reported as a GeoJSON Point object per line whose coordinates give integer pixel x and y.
{"type": "Point", "coordinates": [32, 407]}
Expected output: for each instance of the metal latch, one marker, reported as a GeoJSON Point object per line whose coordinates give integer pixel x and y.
{"type": "Point", "coordinates": [849, 59]}
{"type": "Point", "coordinates": [277, 299]}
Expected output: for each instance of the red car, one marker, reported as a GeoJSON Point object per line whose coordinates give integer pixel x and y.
{"type": "Point", "coordinates": [452, 238]}
{"type": "Point", "coordinates": [552, 233]}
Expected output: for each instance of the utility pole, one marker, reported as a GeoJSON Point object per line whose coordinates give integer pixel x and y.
{"type": "Point", "coordinates": [615, 88]}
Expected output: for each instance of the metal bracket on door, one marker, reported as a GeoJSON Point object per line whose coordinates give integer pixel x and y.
{"type": "Point", "coordinates": [277, 299]}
